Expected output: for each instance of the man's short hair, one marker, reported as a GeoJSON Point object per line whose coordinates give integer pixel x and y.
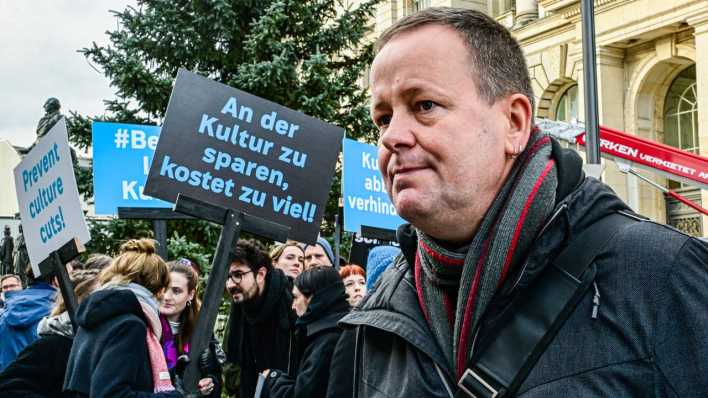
{"type": "Point", "coordinates": [252, 254]}
{"type": "Point", "coordinates": [499, 67]}
{"type": "Point", "coordinates": [8, 276]}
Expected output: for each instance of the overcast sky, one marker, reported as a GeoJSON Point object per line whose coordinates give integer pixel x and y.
{"type": "Point", "coordinates": [39, 40]}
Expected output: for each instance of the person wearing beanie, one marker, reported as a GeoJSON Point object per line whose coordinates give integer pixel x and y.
{"type": "Point", "coordinates": [380, 258]}
{"type": "Point", "coordinates": [319, 254]}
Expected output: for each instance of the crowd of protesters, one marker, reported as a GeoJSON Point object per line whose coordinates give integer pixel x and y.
{"type": "Point", "coordinates": [137, 315]}
{"type": "Point", "coordinates": [500, 220]}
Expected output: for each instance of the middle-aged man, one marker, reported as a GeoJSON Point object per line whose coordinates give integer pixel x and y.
{"type": "Point", "coordinates": [9, 283]}
{"type": "Point", "coordinates": [261, 325]}
{"type": "Point", "coordinates": [491, 204]}
{"type": "Point", "coordinates": [22, 313]}
{"type": "Point", "coordinates": [319, 254]}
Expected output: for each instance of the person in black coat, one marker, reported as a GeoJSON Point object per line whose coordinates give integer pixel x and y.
{"type": "Point", "coordinates": [116, 351]}
{"type": "Point", "coordinates": [38, 371]}
{"type": "Point", "coordinates": [262, 323]}
{"type": "Point", "coordinates": [320, 301]}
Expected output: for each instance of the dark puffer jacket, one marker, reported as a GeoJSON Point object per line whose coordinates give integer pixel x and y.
{"type": "Point", "coordinates": [317, 335]}
{"type": "Point", "coordinates": [649, 339]}
{"type": "Point", "coordinates": [109, 358]}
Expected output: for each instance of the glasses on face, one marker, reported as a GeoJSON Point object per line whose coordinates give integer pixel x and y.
{"type": "Point", "coordinates": [237, 276]}
{"type": "Point", "coordinates": [6, 288]}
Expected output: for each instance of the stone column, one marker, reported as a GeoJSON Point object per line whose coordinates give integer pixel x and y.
{"type": "Point", "coordinates": [610, 106]}
{"type": "Point", "coordinates": [699, 22]}
{"type": "Point", "coordinates": [526, 11]}
{"type": "Point", "coordinates": [610, 98]}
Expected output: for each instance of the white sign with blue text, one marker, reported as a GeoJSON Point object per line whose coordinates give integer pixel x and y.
{"type": "Point", "coordinates": [366, 201]}
{"type": "Point", "coordinates": [122, 154]}
{"type": "Point", "coordinates": [48, 197]}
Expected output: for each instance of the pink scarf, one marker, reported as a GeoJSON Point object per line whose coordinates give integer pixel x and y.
{"type": "Point", "coordinates": [160, 374]}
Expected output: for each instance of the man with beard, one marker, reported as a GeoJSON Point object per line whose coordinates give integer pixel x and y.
{"type": "Point", "coordinates": [262, 322]}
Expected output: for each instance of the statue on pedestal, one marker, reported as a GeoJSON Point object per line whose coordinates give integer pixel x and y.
{"type": "Point", "coordinates": [52, 115]}
{"type": "Point", "coordinates": [21, 257]}
{"type": "Point", "coordinates": [6, 248]}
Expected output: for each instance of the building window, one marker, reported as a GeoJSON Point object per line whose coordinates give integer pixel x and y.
{"type": "Point", "coordinates": [499, 7]}
{"type": "Point", "coordinates": [413, 6]}
{"type": "Point", "coordinates": [567, 109]}
{"type": "Point", "coordinates": [681, 115]}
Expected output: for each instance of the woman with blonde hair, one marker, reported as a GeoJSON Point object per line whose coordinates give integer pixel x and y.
{"type": "Point", "coordinates": [117, 349]}
{"type": "Point", "coordinates": [289, 257]}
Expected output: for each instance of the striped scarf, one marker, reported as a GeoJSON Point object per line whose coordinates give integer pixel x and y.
{"type": "Point", "coordinates": [455, 287]}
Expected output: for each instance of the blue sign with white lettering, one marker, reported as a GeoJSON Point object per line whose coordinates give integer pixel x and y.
{"type": "Point", "coordinates": [122, 154]}
{"type": "Point", "coordinates": [366, 201]}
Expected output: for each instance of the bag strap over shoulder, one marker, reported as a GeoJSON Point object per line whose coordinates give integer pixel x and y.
{"type": "Point", "coordinates": [537, 315]}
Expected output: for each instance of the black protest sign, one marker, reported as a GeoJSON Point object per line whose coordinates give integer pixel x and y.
{"type": "Point", "coordinates": [361, 246]}
{"type": "Point", "coordinates": [233, 149]}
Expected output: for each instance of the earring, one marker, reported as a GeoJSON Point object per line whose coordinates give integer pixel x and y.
{"type": "Point", "coordinates": [515, 154]}
{"type": "Point", "coordinates": [189, 303]}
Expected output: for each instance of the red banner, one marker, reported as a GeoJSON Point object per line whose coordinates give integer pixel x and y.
{"type": "Point", "coordinates": [652, 154]}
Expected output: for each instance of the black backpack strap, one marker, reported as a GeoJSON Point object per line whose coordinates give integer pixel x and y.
{"type": "Point", "coordinates": [537, 315]}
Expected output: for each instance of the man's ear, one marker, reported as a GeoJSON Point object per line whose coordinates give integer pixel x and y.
{"type": "Point", "coordinates": [520, 118]}
{"type": "Point", "coordinates": [261, 275]}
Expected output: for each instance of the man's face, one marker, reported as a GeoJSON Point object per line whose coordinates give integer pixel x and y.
{"type": "Point", "coordinates": [441, 146]}
{"type": "Point", "coordinates": [242, 283]}
{"type": "Point", "coordinates": [11, 284]}
{"type": "Point", "coordinates": [315, 256]}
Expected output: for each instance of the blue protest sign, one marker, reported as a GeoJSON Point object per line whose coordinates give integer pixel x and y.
{"type": "Point", "coordinates": [366, 201]}
{"type": "Point", "coordinates": [122, 154]}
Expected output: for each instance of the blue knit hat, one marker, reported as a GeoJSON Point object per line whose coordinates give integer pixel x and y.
{"type": "Point", "coordinates": [322, 242]}
{"type": "Point", "coordinates": [380, 258]}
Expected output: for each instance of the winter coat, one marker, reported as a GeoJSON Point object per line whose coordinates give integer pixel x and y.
{"type": "Point", "coordinates": [648, 340]}
{"type": "Point", "coordinates": [18, 320]}
{"type": "Point", "coordinates": [38, 372]}
{"type": "Point", "coordinates": [261, 333]}
{"type": "Point", "coordinates": [109, 358]}
{"type": "Point", "coordinates": [209, 364]}
{"type": "Point", "coordinates": [317, 335]}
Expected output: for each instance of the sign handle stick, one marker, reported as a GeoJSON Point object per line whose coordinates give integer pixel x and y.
{"type": "Point", "coordinates": [66, 287]}
{"type": "Point", "coordinates": [232, 222]}
{"type": "Point", "coordinates": [159, 228]}
{"type": "Point", "coordinates": [56, 264]}
{"type": "Point", "coordinates": [337, 241]}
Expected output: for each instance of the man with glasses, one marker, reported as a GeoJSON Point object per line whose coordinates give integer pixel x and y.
{"type": "Point", "coordinates": [261, 325]}
{"type": "Point", "coordinates": [9, 283]}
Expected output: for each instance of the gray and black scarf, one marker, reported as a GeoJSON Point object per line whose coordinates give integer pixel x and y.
{"type": "Point", "coordinates": [455, 287]}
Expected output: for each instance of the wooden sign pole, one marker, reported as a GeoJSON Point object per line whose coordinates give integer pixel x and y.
{"type": "Point", "coordinates": [55, 265]}
{"type": "Point", "coordinates": [234, 222]}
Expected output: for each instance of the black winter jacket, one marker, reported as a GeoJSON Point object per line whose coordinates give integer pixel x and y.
{"type": "Point", "coordinates": [261, 333]}
{"type": "Point", "coordinates": [317, 335]}
{"type": "Point", "coordinates": [38, 372]}
{"type": "Point", "coordinates": [649, 339]}
{"type": "Point", "coordinates": [109, 358]}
